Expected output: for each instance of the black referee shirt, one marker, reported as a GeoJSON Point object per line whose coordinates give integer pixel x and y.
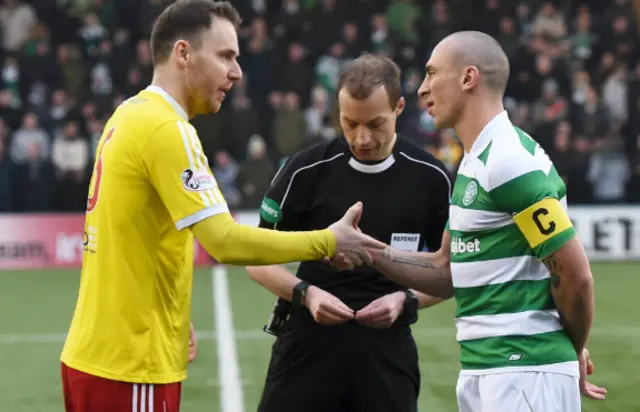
{"type": "Point", "coordinates": [406, 205]}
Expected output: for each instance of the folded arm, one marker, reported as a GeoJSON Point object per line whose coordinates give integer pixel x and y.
{"type": "Point", "coordinates": [232, 243]}
{"type": "Point", "coordinates": [425, 272]}
{"type": "Point", "coordinates": [572, 284]}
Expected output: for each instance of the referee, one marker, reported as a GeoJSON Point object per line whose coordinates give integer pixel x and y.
{"type": "Point", "coordinates": [343, 340]}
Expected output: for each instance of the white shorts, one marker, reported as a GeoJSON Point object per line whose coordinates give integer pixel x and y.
{"type": "Point", "coordinates": [518, 392]}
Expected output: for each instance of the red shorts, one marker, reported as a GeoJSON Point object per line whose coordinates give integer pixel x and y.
{"type": "Point", "coordinates": [89, 393]}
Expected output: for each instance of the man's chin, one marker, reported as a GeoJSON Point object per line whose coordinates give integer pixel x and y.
{"type": "Point", "coordinates": [441, 124]}
{"type": "Point", "coordinates": [214, 107]}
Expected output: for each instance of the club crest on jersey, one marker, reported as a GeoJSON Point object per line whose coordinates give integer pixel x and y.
{"type": "Point", "coordinates": [197, 181]}
{"type": "Point", "coordinates": [470, 193]}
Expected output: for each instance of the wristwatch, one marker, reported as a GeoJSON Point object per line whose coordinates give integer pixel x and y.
{"type": "Point", "coordinates": [299, 291]}
{"type": "Point", "coordinates": [410, 301]}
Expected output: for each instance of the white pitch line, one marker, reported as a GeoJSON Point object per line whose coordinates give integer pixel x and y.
{"type": "Point", "coordinates": [211, 335]}
{"type": "Point", "coordinates": [231, 395]}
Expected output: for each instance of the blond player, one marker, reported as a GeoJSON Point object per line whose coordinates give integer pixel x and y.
{"type": "Point", "coordinates": [151, 192]}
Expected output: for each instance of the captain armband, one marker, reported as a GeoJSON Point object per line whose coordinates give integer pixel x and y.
{"type": "Point", "coordinates": [543, 221]}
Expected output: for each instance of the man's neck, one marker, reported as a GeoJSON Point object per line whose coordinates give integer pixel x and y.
{"type": "Point", "coordinates": [165, 80]}
{"type": "Point", "coordinates": [474, 119]}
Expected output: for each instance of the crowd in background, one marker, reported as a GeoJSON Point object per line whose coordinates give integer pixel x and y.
{"type": "Point", "coordinates": [66, 64]}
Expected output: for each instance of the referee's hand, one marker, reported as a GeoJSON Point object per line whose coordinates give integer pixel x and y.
{"type": "Point", "coordinates": [350, 242]}
{"type": "Point", "coordinates": [326, 308]}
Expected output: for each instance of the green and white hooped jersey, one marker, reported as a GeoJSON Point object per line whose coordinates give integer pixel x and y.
{"type": "Point", "coordinates": [508, 210]}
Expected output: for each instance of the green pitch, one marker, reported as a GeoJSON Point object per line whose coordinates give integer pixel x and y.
{"type": "Point", "coordinates": [36, 308]}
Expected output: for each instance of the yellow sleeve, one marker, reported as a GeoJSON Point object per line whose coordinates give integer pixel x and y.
{"type": "Point", "coordinates": [179, 171]}
{"type": "Point", "coordinates": [546, 226]}
{"type": "Point", "coordinates": [232, 243]}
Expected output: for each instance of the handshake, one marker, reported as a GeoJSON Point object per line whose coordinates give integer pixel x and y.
{"type": "Point", "coordinates": [353, 248]}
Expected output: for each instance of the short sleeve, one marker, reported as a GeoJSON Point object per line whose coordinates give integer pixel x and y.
{"type": "Point", "coordinates": [536, 200]}
{"type": "Point", "coordinates": [179, 171]}
{"type": "Point", "coordinates": [282, 203]}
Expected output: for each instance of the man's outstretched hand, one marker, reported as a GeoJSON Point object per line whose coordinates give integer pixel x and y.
{"type": "Point", "coordinates": [351, 242]}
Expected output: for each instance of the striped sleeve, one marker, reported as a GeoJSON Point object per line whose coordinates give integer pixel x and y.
{"type": "Point", "coordinates": [179, 170]}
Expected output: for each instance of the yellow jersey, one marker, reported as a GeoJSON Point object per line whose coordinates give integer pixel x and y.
{"type": "Point", "coordinates": [151, 180]}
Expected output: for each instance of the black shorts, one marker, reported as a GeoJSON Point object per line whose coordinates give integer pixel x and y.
{"type": "Point", "coordinates": [352, 368]}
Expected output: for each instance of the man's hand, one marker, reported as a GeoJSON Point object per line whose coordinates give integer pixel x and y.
{"type": "Point", "coordinates": [193, 344]}
{"type": "Point", "coordinates": [382, 312]}
{"type": "Point", "coordinates": [350, 242]}
{"type": "Point", "coordinates": [326, 308]}
{"type": "Point", "coordinates": [586, 368]}
{"type": "Point", "coordinates": [339, 262]}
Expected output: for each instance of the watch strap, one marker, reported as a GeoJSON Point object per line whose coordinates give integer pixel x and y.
{"type": "Point", "coordinates": [299, 291]}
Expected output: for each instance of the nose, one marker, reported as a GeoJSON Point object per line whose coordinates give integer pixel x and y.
{"type": "Point", "coordinates": [423, 90]}
{"type": "Point", "coordinates": [235, 74]}
{"type": "Point", "coordinates": [363, 136]}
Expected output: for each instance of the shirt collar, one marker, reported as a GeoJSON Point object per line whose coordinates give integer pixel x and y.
{"type": "Point", "coordinates": [165, 95]}
{"type": "Point", "coordinates": [484, 138]}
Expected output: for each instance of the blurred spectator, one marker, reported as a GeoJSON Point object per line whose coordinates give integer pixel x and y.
{"type": "Point", "coordinates": [317, 113]}
{"type": "Point", "coordinates": [226, 170]}
{"type": "Point", "coordinates": [560, 152]}
{"type": "Point", "coordinates": [329, 67]}
{"type": "Point", "coordinates": [34, 178]}
{"type": "Point", "coordinates": [440, 25]}
{"type": "Point", "coordinates": [402, 16]}
{"type": "Point", "coordinates": [92, 34]}
{"type": "Point", "coordinates": [29, 141]}
{"type": "Point", "coordinates": [10, 80]}
{"type": "Point", "coordinates": [17, 19]}
{"type": "Point", "coordinates": [73, 72]}
{"type": "Point", "coordinates": [609, 170]}
{"type": "Point", "coordinates": [584, 40]}
{"type": "Point", "coordinates": [592, 117]}
{"type": "Point", "coordinates": [61, 109]}
{"type": "Point", "coordinates": [241, 123]}
{"type": "Point", "coordinates": [507, 36]}
{"type": "Point", "coordinates": [70, 156]}
{"type": "Point", "coordinates": [614, 95]}
{"type": "Point", "coordinates": [297, 73]}
{"type": "Point", "coordinates": [380, 43]}
{"type": "Point", "coordinates": [351, 40]}
{"type": "Point", "coordinates": [623, 39]}
{"type": "Point", "coordinates": [255, 173]}
{"type": "Point", "coordinates": [549, 31]}
{"type": "Point", "coordinates": [289, 128]}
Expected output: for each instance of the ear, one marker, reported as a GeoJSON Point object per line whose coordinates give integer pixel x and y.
{"type": "Point", "coordinates": [470, 78]}
{"type": "Point", "coordinates": [400, 106]}
{"type": "Point", "coordinates": [181, 52]}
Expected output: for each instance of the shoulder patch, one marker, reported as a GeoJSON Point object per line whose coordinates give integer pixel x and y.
{"type": "Point", "coordinates": [198, 181]}
{"type": "Point", "coordinates": [270, 211]}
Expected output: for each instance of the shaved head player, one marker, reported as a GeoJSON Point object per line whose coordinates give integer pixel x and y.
{"type": "Point", "coordinates": [151, 192]}
{"type": "Point", "coordinates": [510, 255]}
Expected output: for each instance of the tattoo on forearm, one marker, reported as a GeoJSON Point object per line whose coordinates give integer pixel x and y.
{"type": "Point", "coordinates": [420, 261]}
{"type": "Point", "coordinates": [555, 269]}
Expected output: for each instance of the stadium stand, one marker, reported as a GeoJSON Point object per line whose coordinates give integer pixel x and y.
{"type": "Point", "coordinates": [65, 65]}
